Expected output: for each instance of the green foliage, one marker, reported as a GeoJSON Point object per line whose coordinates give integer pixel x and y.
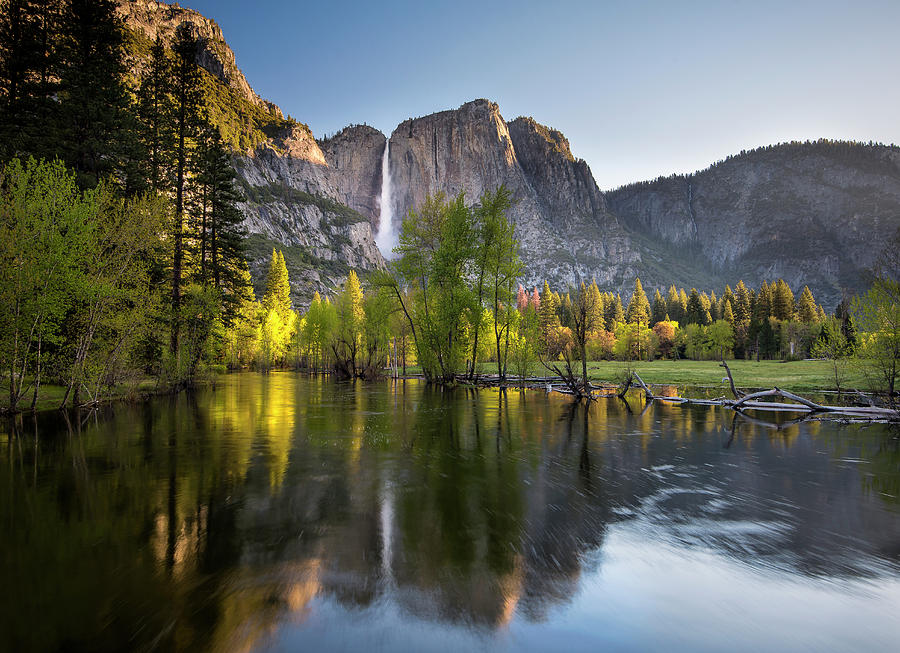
{"type": "Point", "coordinates": [76, 276]}
{"type": "Point", "coordinates": [877, 313]}
{"type": "Point", "coordinates": [278, 288]}
{"type": "Point", "coordinates": [638, 306]}
{"type": "Point", "coordinates": [242, 124]}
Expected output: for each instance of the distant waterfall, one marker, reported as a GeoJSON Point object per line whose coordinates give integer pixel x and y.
{"type": "Point", "coordinates": [386, 239]}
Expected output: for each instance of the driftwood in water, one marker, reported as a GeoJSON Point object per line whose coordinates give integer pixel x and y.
{"type": "Point", "coordinates": [734, 391]}
{"type": "Point", "coordinates": [621, 394]}
{"type": "Point", "coordinates": [647, 392]}
{"type": "Point", "coordinates": [776, 392]}
{"type": "Point", "coordinates": [743, 402]}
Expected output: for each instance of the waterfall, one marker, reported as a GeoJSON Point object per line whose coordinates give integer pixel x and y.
{"type": "Point", "coordinates": [386, 238]}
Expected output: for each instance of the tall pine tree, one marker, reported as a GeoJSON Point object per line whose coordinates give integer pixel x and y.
{"type": "Point", "coordinates": [186, 115]}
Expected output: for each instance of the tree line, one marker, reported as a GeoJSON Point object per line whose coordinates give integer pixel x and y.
{"type": "Point", "coordinates": [121, 242]}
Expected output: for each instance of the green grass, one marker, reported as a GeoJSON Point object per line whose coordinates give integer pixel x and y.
{"type": "Point", "coordinates": [795, 375]}
{"type": "Point", "coordinates": [50, 396]}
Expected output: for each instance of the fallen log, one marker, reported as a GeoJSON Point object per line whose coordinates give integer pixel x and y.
{"type": "Point", "coordinates": [777, 392]}
{"type": "Point", "coordinates": [647, 392]}
{"type": "Point", "coordinates": [734, 391]}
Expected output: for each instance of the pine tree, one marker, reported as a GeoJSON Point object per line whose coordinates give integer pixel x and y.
{"type": "Point", "coordinates": [278, 288]}
{"type": "Point", "coordinates": [596, 318]}
{"type": "Point", "coordinates": [615, 314]}
{"type": "Point", "coordinates": [673, 305]}
{"type": "Point", "coordinates": [535, 300]}
{"type": "Point", "coordinates": [682, 305]}
{"type": "Point", "coordinates": [548, 316]}
{"type": "Point", "coordinates": [97, 121]}
{"type": "Point", "coordinates": [695, 310]}
{"type": "Point", "coordinates": [706, 309]}
{"type": "Point", "coordinates": [741, 305]}
{"type": "Point", "coordinates": [30, 35]}
{"type": "Point", "coordinates": [806, 307]}
{"type": "Point", "coordinates": [729, 295]}
{"type": "Point", "coordinates": [521, 299]}
{"type": "Point", "coordinates": [782, 301]}
{"type": "Point", "coordinates": [658, 314]}
{"type": "Point", "coordinates": [565, 309]}
{"type": "Point", "coordinates": [156, 116]}
{"type": "Point", "coordinates": [727, 312]}
{"type": "Point", "coordinates": [638, 305]}
{"type": "Point", "coordinates": [186, 114]}
{"type": "Point", "coordinates": [763, 303]}
{"type": "Point", "coordinates": [217, 220]}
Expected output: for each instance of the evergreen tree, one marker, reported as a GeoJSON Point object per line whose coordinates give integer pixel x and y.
{"type": "Point", "coordinates": [695, 310]}
{"type": "Point", "coordinates": [565, 309]}
{"type": "Point", "coordinates": [715, 307]}
{"type": "Point", "coordinates": [30, 33]}
{"type": "Point", "coordinates": [705, 309]}
{"type": "Point", "coordinates": [596, 308]}
{"type": "Point", "coordinates": [658, 314]}
{"type": "Point", "coordinates": [741, 307]}
{"type": "Point", "coordinates": [729, 296]}
{"type": "Point", "coordinates": [763, 303]}
{"type": "Point", "coordinates": [673, 305]}
{"type": "Point", "coordinates": [548, 316]}
{"type": "Point", "coordinates": [278, 288]}
{"type": "Point", "coordinates": [727, 312]}
{"type": "Point", "coordinates": [682, 304]}
{"type": "Point", "coordinates": [806, 307]}
{"type": "Point", "coordinates": [217, 218]}
{"type": "Point", "coordinates": [97, 122]}
{"type": "Point", "coordinates": [535, 300]}
{"type": "Point", "coordinates": [186, 120]}
{"type": "Point", "coordinates": [638, 305]}
{"type": "Point", "coordinates": [782, 301]}
{"type": "Point", "coordinates": [521, 299]}
{"type": "Point", "coordinates": [616, 312]}
{"type": "Point", "coordinates": [156, 118]}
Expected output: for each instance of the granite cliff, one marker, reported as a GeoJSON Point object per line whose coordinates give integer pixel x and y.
{"type": "Point", "coordinates": [814, 214]}
{"type": "Point", "coordinates": [561, 219]}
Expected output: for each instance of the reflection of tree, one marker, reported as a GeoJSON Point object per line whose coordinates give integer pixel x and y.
{"type": "Point", "coordinates": [206, 522]}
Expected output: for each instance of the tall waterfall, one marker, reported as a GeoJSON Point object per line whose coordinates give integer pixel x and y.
{"type": "Point", "coordinates": [386, 238]}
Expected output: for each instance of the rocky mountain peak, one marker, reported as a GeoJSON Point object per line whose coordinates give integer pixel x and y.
{"type": "Point", "coordinates": [151, 18]}
{"type": "Point", "coordinates": [554, 138]}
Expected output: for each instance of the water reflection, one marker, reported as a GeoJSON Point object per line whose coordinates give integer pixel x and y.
{"type": "Point", "coordinates": [274, 509]}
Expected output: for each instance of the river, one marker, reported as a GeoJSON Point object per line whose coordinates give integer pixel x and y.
{"type": "Point", "coordinates": [280, 512]}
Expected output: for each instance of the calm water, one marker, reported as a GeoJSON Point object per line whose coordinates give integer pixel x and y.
{"type": "Point", "coordinates": [281, 513]}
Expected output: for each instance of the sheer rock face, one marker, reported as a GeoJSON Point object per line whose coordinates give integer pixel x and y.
{"type": "Point", "coordinates": [815, 214]}
{"type": "Point", "coordinates": [355, 154]}
{"type": "Point", "coordinates": [561, 219]}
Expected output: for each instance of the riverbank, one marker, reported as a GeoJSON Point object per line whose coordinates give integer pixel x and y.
{"type": "Point", "coordinates": [798, 376]}
{"type": "Point", "coordinates": [50, 396]}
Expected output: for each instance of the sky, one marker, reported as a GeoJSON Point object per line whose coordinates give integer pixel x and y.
{"type": "Point", "coordinates": [640, 89]}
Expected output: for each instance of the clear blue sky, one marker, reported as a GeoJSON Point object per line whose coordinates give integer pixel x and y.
{"type": "Point", "coordinates": [639, 88]}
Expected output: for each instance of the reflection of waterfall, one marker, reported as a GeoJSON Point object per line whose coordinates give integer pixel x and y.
{"type": "Point", "coordinates": [386, 239]}
{"type": "Point", "coordinates": [387, 535]}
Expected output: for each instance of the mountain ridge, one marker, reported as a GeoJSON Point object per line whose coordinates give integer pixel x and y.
{"type": "Point", "coordinates": [808, 212]}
